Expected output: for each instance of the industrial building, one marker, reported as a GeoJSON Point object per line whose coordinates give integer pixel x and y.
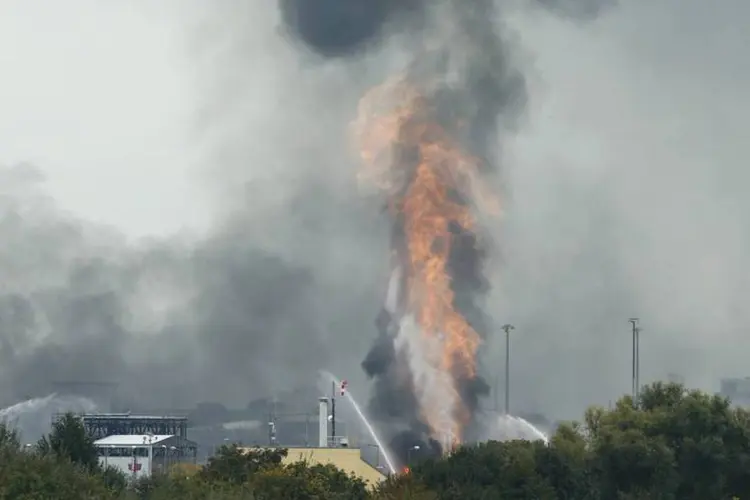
{"type": "Point", "coordinates": [348, 460]}
{"type": "Point", "coordinates": [140, 445]}
{"type": "Point", "coordinates": [100, 425]}
{"type": "Point", "coordinates": [142, 455]}
{"type": "Point", "coordinates": [148, 442]}
{"type": "Point", "coordinates": [335, 450]}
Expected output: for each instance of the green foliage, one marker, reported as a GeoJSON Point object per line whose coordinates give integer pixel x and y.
{"type": "Point", "coordinates": [565, 464]}
{"type": "Point", "coordinates": [672, 444]}
{"type": "Point", "coordinates": [29, 476]}
{"type": "Point", "coordinates": [187, 488]}
{"type": "Point", "coordinates": [69, 440]}
{"type": "Point", "coordinates": [114, 480]}
{"type": "Point", "coordinates": [313, 482]}
{"type": "Point", "coordinates": [403, 487]}
{"type": "Point", "coordinates": [9, 441]}
{"type": "Point", "coordinates": [235, 465]}
{"type": "Point", "coordinates": [488, 470]}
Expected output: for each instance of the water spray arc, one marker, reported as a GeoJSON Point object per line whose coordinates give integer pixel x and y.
{"type": "Point", "coordinates": [32, 417]}
{"type": "Point", "coordinates": [365, 421]}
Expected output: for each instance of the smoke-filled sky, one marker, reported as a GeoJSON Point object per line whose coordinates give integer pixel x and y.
{"type": "Point", "coordinates": [180, 212]}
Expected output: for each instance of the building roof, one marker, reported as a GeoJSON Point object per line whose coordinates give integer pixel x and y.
{"type": "Point", "coordinates": [346, 459]}
{"type": "Point", "coordinates": [132, 440]}
{"type": "Point", "coordinates": [114, 416]}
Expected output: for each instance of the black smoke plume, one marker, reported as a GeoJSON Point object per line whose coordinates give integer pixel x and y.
{"type": "Point", "coordinates": [337, 28]}
{"type": "Point", "coordinates": [471, 80]}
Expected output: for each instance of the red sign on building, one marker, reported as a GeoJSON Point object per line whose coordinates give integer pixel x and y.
{"type": "Point", "coordinates": [134, 467]}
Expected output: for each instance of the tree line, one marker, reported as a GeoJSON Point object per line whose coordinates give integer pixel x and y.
{"type": "Point", "coordinates": [670, 444]}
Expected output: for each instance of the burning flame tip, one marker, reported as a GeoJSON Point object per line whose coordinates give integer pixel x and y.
{"type": "Point", "coordinates": [431, 184]}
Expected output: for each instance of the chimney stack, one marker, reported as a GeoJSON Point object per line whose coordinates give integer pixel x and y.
{"type": "Point", "coordinates": [323, 422]}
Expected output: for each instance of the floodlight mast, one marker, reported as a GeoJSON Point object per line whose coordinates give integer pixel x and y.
{"type": "Point", "coordinates": [638, 331]}
{"type": "Point", "coordinates": [634, 376]}
{"type": "Point", "coordinates": [507, 328]}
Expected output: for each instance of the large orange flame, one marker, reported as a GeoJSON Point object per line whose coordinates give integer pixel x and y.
{"type": "Point", "coordinates": [428, 179]}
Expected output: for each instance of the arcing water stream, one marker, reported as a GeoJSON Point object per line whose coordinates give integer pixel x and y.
{"type": "Point", "coordinates": [509, 427]}
{"type": "Point", "coordinates": [32, 418]}
{"type": "Point", "coordinates": [370, 429]}
{"type": "Point", "coordinates": [502, 428]}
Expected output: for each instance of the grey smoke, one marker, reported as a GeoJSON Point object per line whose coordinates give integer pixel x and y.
{"type": "Point", "coordinates": [578, 9]}
{"type": "Point", "coordinates": [625, 193]}
{"type": "Point", "coordinates": [625, 169]}
{"type": "Point", "coordinates": [66, 316]}
{"type": "Point", "coordinates": [470, 77]}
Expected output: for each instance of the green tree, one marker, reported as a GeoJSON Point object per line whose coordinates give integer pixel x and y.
{"type": "Point", "coordinates": [31, 476]}
{"type": "Point", "coordinates": [709, 440]}
{"type": "Point", "coordinates": [70, 440]}
{"type": "Point", "coordinates": [236, 465]}
{"type": "Point", "coordinates": [9, 441]}
{"type": "Point", "coordinates": [301, 481]}
{"type": "Point", "coordinates": [673, 443]}
{"type": "Point", "coordinates": [565, 464]}
{"type": "Point", "coordinates": [114, 480]}
{"type": "Point", "coordinates": [489, 470]}
{"type": "Point", "coordinates": [626, 461]}
{"type": "Point", "coordinates": [403, 487]}
{"type": "Point", "coordinates": [194, 488]}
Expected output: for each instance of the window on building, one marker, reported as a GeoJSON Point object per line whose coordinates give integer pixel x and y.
{"type": "Point", "coordinates": [123, 451]}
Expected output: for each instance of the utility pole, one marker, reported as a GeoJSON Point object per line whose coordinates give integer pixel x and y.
{"type": "Point", "coordinates": [333, 414]}
{"type": "Point", "coordinates": [634, 388]}
{"type": "Point", "coordinates": [507, 328]}
{"type": "Point", "coordinates": [270, 428]}
{"type": "Point", "coordinates": [638, 362]}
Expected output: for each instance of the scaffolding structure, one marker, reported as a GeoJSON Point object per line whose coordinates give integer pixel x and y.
{"type": "Point", "coordinates": [101, 425]}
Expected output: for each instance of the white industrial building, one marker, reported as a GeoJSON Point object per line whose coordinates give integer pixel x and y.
{"type": "Point", "coordinates": [142, 455]}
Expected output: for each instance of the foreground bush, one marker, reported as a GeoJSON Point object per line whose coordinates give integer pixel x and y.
{"type": "Point", "coordinates": [672, 444]}
{"type": "Point", "coordinates": [45, 474]}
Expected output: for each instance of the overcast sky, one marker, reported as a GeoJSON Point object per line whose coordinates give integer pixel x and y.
{"type": "Point", "coordinates": [626, 183]}
{"type": "Point", "coordinates": [100, 96]}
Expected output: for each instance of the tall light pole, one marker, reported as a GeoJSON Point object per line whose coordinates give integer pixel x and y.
{"type": "Point", "coordinates": [333, 414]}
{"type": "Point", "coordinates": [507, 328]}
{"type": "Point", "coordinates": [638, 362]}
{"type": "Point", "coordinates": [634, 388]}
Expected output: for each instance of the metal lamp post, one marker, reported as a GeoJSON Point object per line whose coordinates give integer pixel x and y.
{"type": "Point", "coordinates": [507, 328]}
{"type": "Point", "coordinates": [638, 362]}
{"type": "Point", "coordinates": [634, 375]}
